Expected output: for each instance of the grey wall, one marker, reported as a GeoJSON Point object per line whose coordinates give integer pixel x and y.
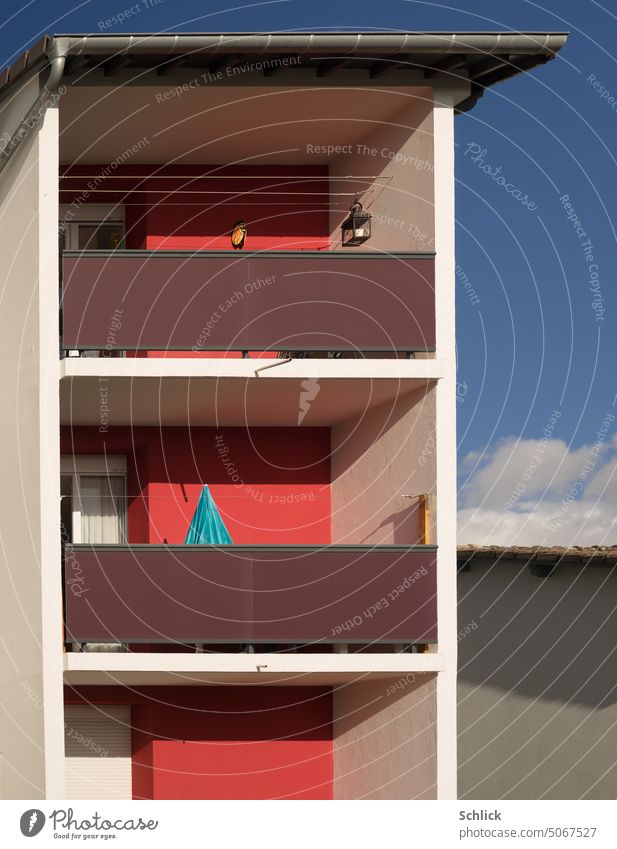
{"type": "Point", "coordinates": [537, 693]}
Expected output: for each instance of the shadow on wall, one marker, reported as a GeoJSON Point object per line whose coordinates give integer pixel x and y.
{"type": "Point", "coordinates": [537, 692]}
{"type": "Point", "coordinates": [404, 526]}
{"type": "Point", "coordinates": [553, 638]}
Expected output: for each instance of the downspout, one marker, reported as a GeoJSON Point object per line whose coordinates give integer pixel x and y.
{"type": "Point", "coordinates": [38, 108]}
{"type": "Point", "coordinates": [469, 102]}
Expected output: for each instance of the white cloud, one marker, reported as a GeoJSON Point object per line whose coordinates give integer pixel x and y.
{"type": "Point", "coordinates": [534, 492]}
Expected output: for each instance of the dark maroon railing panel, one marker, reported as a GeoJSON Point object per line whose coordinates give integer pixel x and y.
{"type": "Point", "coordinates": [155, 593]}
{"type": "Point", "coordinates": [349, 594]}
{"type": "Point", "coordinates": [246, 594]}
{"type": "Point", "coordinates": [306, 300]}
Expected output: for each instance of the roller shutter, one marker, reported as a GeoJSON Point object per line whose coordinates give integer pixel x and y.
{"type": "Point", "coordinates": [97, 745]}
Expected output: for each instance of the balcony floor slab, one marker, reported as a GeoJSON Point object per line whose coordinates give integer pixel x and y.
{"type": "Point", "coordinates": [264, 392]}
{"type": "Point", "coordinates": [154, 669]}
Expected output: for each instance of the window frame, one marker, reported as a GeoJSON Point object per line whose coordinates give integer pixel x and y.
{"type": "Point", "coordinates": [90, 214]}
{"type": "Point", "coordinates": [75, 466]}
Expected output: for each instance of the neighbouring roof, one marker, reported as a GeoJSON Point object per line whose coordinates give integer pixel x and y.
{"type": "Point", "coordinates": [484, 58]}
{"type": "Point", "coordinates": [596, 555]}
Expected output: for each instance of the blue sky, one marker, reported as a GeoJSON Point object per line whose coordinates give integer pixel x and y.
{"type": "Point", "coordinates": [534, 342]}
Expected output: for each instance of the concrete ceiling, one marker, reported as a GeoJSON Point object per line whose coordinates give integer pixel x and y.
{"type": "Point", "coordinates": [177, 401]}
{"type": "Point", "coordinates": [225, 124]}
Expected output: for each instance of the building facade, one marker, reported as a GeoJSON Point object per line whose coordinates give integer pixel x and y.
{"type": "Point", "coordinates": [537, 711]}
{"type": "Point", "coordinates": [307, 378]}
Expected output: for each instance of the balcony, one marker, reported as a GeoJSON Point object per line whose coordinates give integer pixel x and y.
{"type": "Point", "coordinates": [253, 301]}
{"type": "Point", "coordinates": [250, 594]}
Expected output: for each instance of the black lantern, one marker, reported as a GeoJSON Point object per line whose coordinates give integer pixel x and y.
{"type": "Point", "coordinates": [357, 228]}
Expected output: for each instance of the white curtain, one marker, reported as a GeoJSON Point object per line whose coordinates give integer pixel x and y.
{"type": "Point", "coordinates": [102, 509]}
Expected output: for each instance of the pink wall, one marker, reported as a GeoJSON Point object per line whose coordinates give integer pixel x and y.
{"type": "Point", "coordinates": [395, 164]}
{"type": "Point", "coordinates": [226, 742]}
{"type": "Point", "coordinates": [271, 485]}
{"type": "Point", "coordinates": [385, 738]}
{"type": "Point", "coordinates": [377, 460]}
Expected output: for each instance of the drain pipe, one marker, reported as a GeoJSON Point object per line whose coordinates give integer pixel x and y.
{"type": "Point", "coordinates": [476, 93]}
{"type": "Point", "coordinates": [38, 108]}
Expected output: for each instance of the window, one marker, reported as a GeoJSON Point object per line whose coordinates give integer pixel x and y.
{"type": "Point", "coordinates": [91, 227]}
{"type": "Point", "coordinates": [93, 492]}
{"type": "Point", "coordinates": [92, 236]}
{"type": "Point", "coordinates": [100, 236]}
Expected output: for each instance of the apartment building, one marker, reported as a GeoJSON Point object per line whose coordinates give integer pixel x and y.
{"type": "Point", "coordinates": [188, 301]}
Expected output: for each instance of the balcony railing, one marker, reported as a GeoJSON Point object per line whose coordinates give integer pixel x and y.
{"type": "Point", "coordinates": [267, 301]}
{"type": "Point", "coordinates": [250, 594]}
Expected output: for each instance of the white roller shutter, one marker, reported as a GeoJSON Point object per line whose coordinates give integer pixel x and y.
{"type": "Point", "coordinates": [97, 746]}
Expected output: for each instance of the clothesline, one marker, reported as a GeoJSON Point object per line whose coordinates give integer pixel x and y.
{"type": "Point", "coordinates": [295, 177]}
{"type": "Point", "coordinates": [238, 195]}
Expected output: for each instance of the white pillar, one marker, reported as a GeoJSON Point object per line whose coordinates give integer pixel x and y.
{"type": "Point", "coordinates": [445, 430]}
{"type": "Point", "coordinates": [49, 448]}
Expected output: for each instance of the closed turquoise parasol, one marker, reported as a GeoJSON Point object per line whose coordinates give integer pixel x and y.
{"type": "Point", "coordinates": [207, 526]}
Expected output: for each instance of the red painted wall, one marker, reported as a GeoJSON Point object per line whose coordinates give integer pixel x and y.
{"type": "Point", "coordinates": [176, 207]}
{"type": "Point", "coordinates": [236, 742]}
{"type": "Point", "coordinates": [271, 485]}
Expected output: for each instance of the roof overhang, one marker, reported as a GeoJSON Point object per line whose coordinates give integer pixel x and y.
{"type": "Point", "coordinates": [542, 560]}
{"type": "Point", "coordinates": [481, 58]}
